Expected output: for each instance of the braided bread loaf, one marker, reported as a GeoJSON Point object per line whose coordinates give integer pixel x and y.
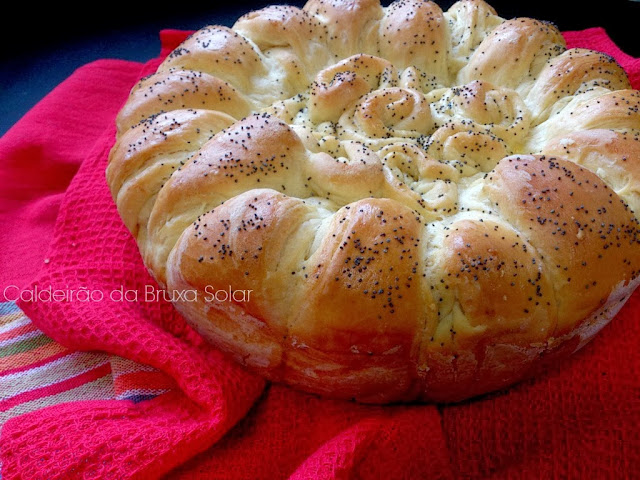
{"type": "Point", "coordinates": [416, 205]}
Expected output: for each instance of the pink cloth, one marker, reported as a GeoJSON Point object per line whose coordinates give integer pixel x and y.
{"type": "Point", "coordinates": [61, 229]}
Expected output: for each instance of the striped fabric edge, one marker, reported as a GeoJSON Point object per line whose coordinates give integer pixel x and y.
{"type": "Point", "coordinates": [136, 382]}
{"type": "Point", "coordinates": [36, 372]}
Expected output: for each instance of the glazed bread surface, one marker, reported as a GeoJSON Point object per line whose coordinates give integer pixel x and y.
{"type": "Point", "coordinates": [386, 203]}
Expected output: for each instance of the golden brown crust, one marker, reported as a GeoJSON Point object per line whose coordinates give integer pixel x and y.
{"type": "Point", "coordinates": [146, 156]}
{"type": "Point", "coordinates": [180, 90]}
{"type": "Point", "coordinates": [291, 36]}
{"type": "Point", "coordinates": [357, 176]}
{"type": "Point", "coordinates": [259, 151]}
{"type": "Point", "coordinates": [242, 243]}
{"type": "Point", "coordinates": [385, 203]}
{"type": "Point", "coordinates": [587, 236]}
{"type": "Point", "coordinates": [453, 376]}
{"type": "Point", "coordinates": [596, 109]}
{"type": "Point", "coordinates": [340, 86]}
{"type": "Point", "coordinates": [350, 25]}
{"type": "Point", "coordinates": [498, 283]}
{"type": "Point", "coordinates": [470, 21]}
{"type": "Point", "coordinates": [370, 263]}
{"type": "Point", "coordinates": [220, 52]}
{"type": "Point", "coordinates": [406, 27]}
{"type": "Point", "coordinates": [526, 42]}
{"type": "Point", "coordinates": [573, 71]}
{"type": "Point", "coordinates": [611, 155]}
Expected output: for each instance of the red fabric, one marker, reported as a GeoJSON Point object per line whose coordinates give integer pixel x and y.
{"type": "Point", "coordinates": [577, 420]}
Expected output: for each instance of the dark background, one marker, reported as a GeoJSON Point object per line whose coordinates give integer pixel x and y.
{"type": "Point", "coordinates": [44, 44]}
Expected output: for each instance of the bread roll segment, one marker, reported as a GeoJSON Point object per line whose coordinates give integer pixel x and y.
{"type": "Point", "coordinates": [386, 204]}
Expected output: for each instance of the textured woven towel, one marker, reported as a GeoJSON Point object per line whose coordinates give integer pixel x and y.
{"type": "Point", "coordinates": [209, 418]}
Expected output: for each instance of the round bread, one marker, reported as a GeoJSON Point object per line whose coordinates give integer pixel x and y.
{"type": "Point", "coordinates": [385, 204]}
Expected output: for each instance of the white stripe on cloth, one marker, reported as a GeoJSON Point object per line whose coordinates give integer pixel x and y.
{"type": "Point", "coordinates": [50, 373]}
{"type": "Point", "coordinates": [21, 338]}
{"type": "Point", "coordinates": [100, 389]}
{"type": "Point", "coordinates": [19, 321]}
{"type": "Point", "coordinates": [142, 392]}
